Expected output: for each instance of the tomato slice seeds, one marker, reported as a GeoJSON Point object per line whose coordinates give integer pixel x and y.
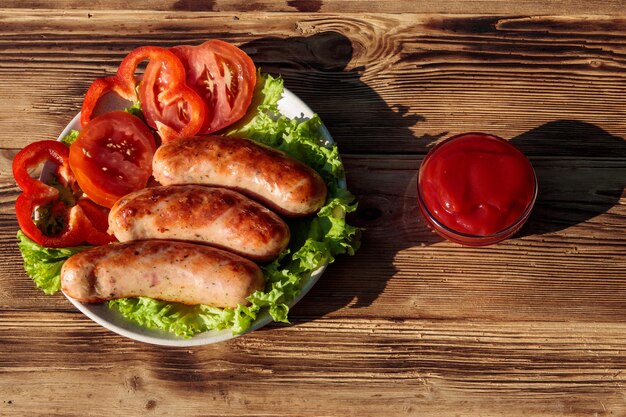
{"type": "Point", "coordinates": [112, 157]}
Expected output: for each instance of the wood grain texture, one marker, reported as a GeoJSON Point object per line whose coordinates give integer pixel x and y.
{"type": "Point", "coordinates": [411, 325]}
{"type": "Point", "coordinates": [484, 7]}
{"type": "Point", "coordinates": [346, 367]}
{"type": "Point", "coordinates": [566, 266]}
{"type": "Point", "coordinates": [402, 71]}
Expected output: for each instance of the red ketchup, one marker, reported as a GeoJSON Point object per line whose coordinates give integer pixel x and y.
{"type": "Point", "coordinates": [476, 189]}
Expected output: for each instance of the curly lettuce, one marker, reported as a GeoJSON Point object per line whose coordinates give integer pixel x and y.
{"type": "Point", "coordinates": [43, 265]}
{"type": "Point", "coordinates": [70, 137]}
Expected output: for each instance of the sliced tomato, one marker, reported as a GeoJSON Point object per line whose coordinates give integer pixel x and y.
{"type": "Point", "coordinates": [172, 109]}
{"type": "Point", "coordinates": [112, 157]}
{"type": "Point", "coordinates": [224, 76]}
{"type": "Point", "coordinates": [168, 104]}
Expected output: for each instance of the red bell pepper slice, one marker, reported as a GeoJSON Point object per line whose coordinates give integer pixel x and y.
{"type": "Point", "coordinates": [96, 222]}
{"type": "Point", "coordinates": [99, 88]}
{"type": "Point", "coordinates": [81, 223]}
{"type": "Point", "coordinates": [124, 84]}
{"type": "Point", "coordinates": [33, 156]}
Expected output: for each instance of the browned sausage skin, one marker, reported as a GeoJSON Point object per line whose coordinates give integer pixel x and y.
{"type": "Point", "coordinates": [196, 213]}
{"type": "Point", "coordinates": [165, 270]}
{"type": "Point", "coordinates": [270, 176]}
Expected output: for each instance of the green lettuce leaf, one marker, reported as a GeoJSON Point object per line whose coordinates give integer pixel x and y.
{"type": "Point", "coordinates": [315, 241]}
{"type": "Point", "coordinates": [70, 137]}
{"type": "Point", "coordinates": [180, 319]}
{"type": "Point", "coordinates": [135, 110]}
{"type": "Point", "coordinates": [43, 264]}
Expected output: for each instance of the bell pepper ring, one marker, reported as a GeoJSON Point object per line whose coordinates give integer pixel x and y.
{"type": "Point", "coordinates": [81, 222]}
{"type": "Point", "coordinates": [99, 88]}
{"type": "Point", "coordinates": [96, 222]}
{"type": "Point", "coordinates": [33, 156]}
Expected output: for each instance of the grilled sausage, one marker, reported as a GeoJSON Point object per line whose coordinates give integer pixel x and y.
{"type": "Point", "coordinates": [215, 216]}
{"type": "Point", "coordinates": [166, 270]}
{"type": "Point", "coordinates": [270, 176]}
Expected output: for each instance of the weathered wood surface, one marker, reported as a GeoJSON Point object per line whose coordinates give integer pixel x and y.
{"type": "Point", "coordinates": [411, 325]}
{"type": "Point", "coordinates": [393, 80]}
{"type": "Point", "coordinates": [485, 7]}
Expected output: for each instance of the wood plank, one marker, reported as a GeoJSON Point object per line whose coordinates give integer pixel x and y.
{"type": "Point", "coordinates": [411, 325]}
{"type": "Point", "coordinates": [419, 77]}
{"type": "Point", "coordinates": [410, 367]}
{"type": "Point", "coordinates": [486, 7]}
{"type": "Point", "coordinates": [568, 264]}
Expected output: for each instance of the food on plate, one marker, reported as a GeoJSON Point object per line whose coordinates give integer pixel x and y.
{"type": "Point", "coordinates": [54, 214]}
{"type": "Point", "coordinates": [223, 75]}
{"type": "Point", "coordinates": [43, 264]}
{"type": "Point", "coordinates": [165, 270]}
{"type": "Point", "coordinates": [476, 189]}
{"type": "Point", "coordinates": [274, 178]}
{"type": "Point", "coordinates": [185, 90]}
{"type": "Point", "coordinates": [215, 216]}
{"type": "Point", "coordinates": [169, 105]}
{"type": "Point", "coordinates": [112, 157]}
{"type": "Point", "coordinates": [315, 239]}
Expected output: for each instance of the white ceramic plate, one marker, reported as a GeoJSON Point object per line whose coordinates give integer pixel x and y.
{"type": "Point", "coordinates": [289, 105]}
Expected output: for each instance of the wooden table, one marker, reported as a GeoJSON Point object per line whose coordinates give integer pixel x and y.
{"type": "Point", "coordinates": [411, 325]}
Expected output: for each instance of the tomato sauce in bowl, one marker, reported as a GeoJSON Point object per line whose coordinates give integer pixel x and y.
{"type": "Point", "coordinates": [476, 189]}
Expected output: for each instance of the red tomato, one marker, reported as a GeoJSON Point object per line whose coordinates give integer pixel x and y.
{"type": "Point", "coordinates": [169, 105]}
{"type": "Point", "coordinates": [223, 75]}
{"type": "Point", "coordinates": [112, 157]}
{"type": "Point", "coordinates": [164, 107]}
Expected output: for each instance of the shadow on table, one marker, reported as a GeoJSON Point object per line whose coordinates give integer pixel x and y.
{"type": "Point", "coordinates": [573, 188]}
{"type": "Point", "coordinates": [578, 189]}
{"type": "Point", "coordinates": [315, 69]}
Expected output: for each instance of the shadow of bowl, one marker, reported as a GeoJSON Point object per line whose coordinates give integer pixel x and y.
{"type": "Point", "coordinates": [577, 175]}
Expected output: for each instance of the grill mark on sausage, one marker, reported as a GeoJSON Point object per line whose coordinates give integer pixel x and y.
{"type": "Point", "coordinates": [215, 216]}
{"type": "Point", "coordinates": [167, 270]}
{"type": "Point", "coordinates": [261, 172]}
